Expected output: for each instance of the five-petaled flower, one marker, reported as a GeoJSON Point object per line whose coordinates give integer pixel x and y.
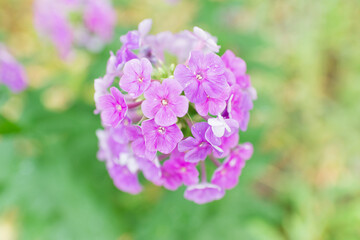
{"type": "Point", "coordinates": [137, 76]}
{"type": "Point", "coordinates": [164, 103]}
{"type": "Point", "coordinates": [113, 107]}
{"type": "Point", "coordinates": [203, 77]}
{"type": "Point", "coordinates": [161, 138]}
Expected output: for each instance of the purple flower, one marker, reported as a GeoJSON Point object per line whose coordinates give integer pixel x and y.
{"type": "Point", "coordinates": [239, 106]}
{"type": "Point", "coordinates": [227, 143]}
{"type": "Point", "coordinates": [12, 73]}
{"type": "Point", "coordinates": [109, 148]}
{"type": "Point", "coordinates": [164, 103]}
{"type": "Point", "coordinates": [236, 65]}
{"type": "Point", "coordinates": [125, 180]}
{"type": "Point", "coordinates": [51, 21]}
{"type": "Point", "coordinates": [203, 193]}
{"type": "Point", "coordinates": [137, 76]}
{"type": "Point", "coordinates": [197, 148]}
{"type": "Point", "coordinates": [131, 39]}
{"type": "Point", "coordinates": [227, 175]}
{"type": "Point", "coordinates": [101, 86]}
{"type": "Point", "coordinates": [214, 106]}
{"type": "Point", "coordinates": [138, 144]}
{"type": "Point", "coordinates": [203, 77]}
{"type": "Point", "coordinates": [205, 40]}
{"type": "Point", "coordinates": [176, 172]}
{"type": "Point", "coordinates": [113, 107]}
{"type": "Point", "coordinates": [100, 18]}
{"type": "Point", "coordinates": [160, 138]}
{"type": "Point", "coordinates": [151, 169]}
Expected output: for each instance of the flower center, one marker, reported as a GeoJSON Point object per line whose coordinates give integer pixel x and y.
{"type": "Point", "coordinates": [199, 77]}
{"type": "Point", "coordinates": [183, 169]}
{"type": "Point", "coordinates": [118, 107]}
{"type": "Point", "coordinates": [141, 79]}
{"type": "Point", "coordinates": [161, 130]}
{"type": "Point", "coordinates": [203, 144]}
{"type": "Point", "coordinates": [223, 171]}
{"type": "Point", "coordinates": [164, 102]}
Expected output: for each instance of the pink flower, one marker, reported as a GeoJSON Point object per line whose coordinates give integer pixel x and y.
{"type": "Point", "coordinates": [100, 18]}
{"type": "Point", "coordinates": [176, 172]}
{"type": "Point", "coordinates": [12, 73]}
{"type": "Point", "coordinates": [161, 138]}
{"type": "Point", "coordinates": [204, 192]}
{"type": "Point", "coordinates": [236, 65]}
{"type": "Point", "coordinates": [124, 179]}
{"type": "Point", "coordinates": [138, 144]}
{"type": "Point", "coordinates": [206, 41]}
{"type": "Point", "coordinates": [164, 103]}
{"type": "Point", "coordinates": [113, 107]}
{"type": "Point", "coordinates": [151, 169]}
{"type": "Point", "coordinates": [214, 106]}
{"type": "Point", "coordinates": [227, 175]}
{"type": "Point", "coordinates": [239, 106]}
{"type": "Point", "coordinates": [137, 76]}
{"type": "Point", "coordinates": [197, 148]}
{"type": "Point", "coordinates": [203, 77]}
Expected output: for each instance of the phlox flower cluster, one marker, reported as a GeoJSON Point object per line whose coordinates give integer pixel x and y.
{"type": "Point", "coordinates": [172, 110]}
{"type": "Point", "coordinates": [12, 73]}
{"type": "Point", "coordinates": [84, 23]}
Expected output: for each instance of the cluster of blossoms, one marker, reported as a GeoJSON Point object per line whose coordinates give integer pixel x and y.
{"type": "Point", "coordinates": [170, 122]}
{"type": "Point", "coordinates": [12, 73]}
{"type": "Point", "coordinates": [85, 23]}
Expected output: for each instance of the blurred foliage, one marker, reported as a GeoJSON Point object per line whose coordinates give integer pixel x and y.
{"type": "Point", "coordinates": [302, 183]}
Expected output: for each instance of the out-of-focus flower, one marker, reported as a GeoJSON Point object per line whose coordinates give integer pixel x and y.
{"type": "Point", "coordinates": [204, 192]}
{"type": "Point", "coordinates": [150, 133]}
{"type": "Point", "coordinates": [227, 175]}
{"type": "Point", "coordinates": [86, 23]}
{"type": "Point", "coordinates": [12, 73]}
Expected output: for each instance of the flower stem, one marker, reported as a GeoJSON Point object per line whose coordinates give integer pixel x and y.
{"type": "Point", "coordinates": [215, 161]}
{"type": "Point", "coordinates": [134, 105]}
{"type": "Point", "coordinates": [203, 171]}
{"type": "Point", "coordinates": [163, 156]}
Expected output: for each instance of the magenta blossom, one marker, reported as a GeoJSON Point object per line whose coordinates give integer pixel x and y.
{"type": "Point", "coordinates": [205, 40]}
{"type": "Point", "coordinates": [145, 127]}
{"type": "Point", "coordinates": [203, 77]}
{"type": "Point", "coordinates": [151, 169]}
{"type": "Point", "coordinates": [160, 138]}
{"type": "Point", "coordinates": [137, 76]}
{"type": "Point", "coordinates": [113, 107]}
{"type": "Point", "coordinates": [197, 148]}
{"type": "Point", "coordinates": [12, 73]}
{"type": "Point", "coordinates": [235, 64]}
{"type": "Point", "coordinates": [204, 192]}
{"type": "Point", "coordinates": [124, 179]}
{"type": "Point", "coordinates": [164, 103]}
{"type": "Point", "coordinates": [214, 106]}
{"type": "Point", "coordinates": [138, 144]}
{"type": "Point", "coordinates": [176, 172]}
{"type": "Point", "coordinates": [239, 106]}
{"type": "Point", "coordinates": [227, 175]}
{"type": "Point", "coordinates": [100, 18]}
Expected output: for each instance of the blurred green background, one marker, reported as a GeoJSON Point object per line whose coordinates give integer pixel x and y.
{"type": "Point", "coordinates": [303, 182]}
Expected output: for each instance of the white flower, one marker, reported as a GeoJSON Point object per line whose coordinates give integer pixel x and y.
{"type": "Point", "coordinates": [218, 126]}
